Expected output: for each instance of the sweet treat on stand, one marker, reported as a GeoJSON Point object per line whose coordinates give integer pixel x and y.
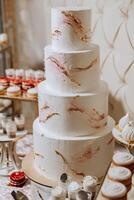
{"type": "Point", "coordinates": [29, 74]}
{"type": "Point", "coordinates": [123, 121]}
{"type": "Point", "coordinates": [130, 194]}
{"type": "Point", "coordinates": [90, 183]}
{"type": "Point", "coordinates": [73, 131]}
{"type": "Point", "coordinates": [27, 84]}
{"type": "Point", "coordinates": [58, 194]}
{"type": "Point", "coordinates": [113, 191]}
{"type": "Point", "coordinates": [17, 82]}
{"type": "Point", "coordinates": [32, 93]}
{"type": "Point", "coordinates": [124, 159]}
{"type": "Point", "coordinates": [39, 75]}
{"type": "Point", "coordinates": [11, 129]}
{"type": "Point", "coordinates": [73, 189]}
{"type": "Point", "coordinates": [13, 91]}
{"type": "Point", "coordinates": [2, 89]}
{"type": "Point", "coordinates": [10, 73]}
{"type": "Point", "coordinates": [82, 195]}
{"type": "Point", "coordinates": [19, 73]}
{"type": "Point", "coordinates": [20, 122]}
{"type": "Point", "coordinates": [17, 179]}
{"type": "Point", "coordinates": [120, 174]}
{"type": "Point", "coordinates": [4, 82]}
{"type": "Point", "coordinates": [128, 132]}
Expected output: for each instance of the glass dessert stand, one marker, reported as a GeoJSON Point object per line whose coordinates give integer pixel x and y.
{"type": "Point", "coordinates": [9, 160]}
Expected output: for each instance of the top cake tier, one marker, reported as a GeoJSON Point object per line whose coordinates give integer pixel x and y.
{"type": "Point", "coordinates": [71, 28]}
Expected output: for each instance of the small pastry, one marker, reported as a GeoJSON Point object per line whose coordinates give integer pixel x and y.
{"type": "Point", "coordinates": [32, 93]}
{"type": "Point", "coordinates": [113, 191]}
{"type": "Point", "coordinates": [64, 182]}
{"type": "Point", "coordinates": [17, 179]}
{"type": "Point", "coordinates": [39, 75]}
{"type": "Point", "coordinates": [90, 183]}
{"type": "Point", "coordinates": [124, 159]}
{"type": "Point", "coordinates": [11, 129]}
{"type": "Point", "coordinates": [19, 74]}
{"type": "Point", "coordinates": [120, 174]}
{"type": "Point", "coordinates": [123, 121]}
{"type": "Point", "coordinates": [10, 73]}
{"type": "Point", "coordinates": [29, 74]}
{"type": "Point", "coordinates": [17, 82]}
{"type": "Point", "coordinates": [2, 89]}
{"type": "Point", "coordinates": [13, 91]}
{"type": "Point", "coordinates": [73, 188]}
{"type": "Point", "coordinates": [82, 195]}
{"type": "Point", "coordinates": [27, 84]}
{"type": "Point", "coordinates": [4, 82]}
{"type": "Point", "coordinates": [128, 132]}
{"type": "Point", "coordinates": [57, 194]}
{"type": "Point", "coordinates": [20, 122]}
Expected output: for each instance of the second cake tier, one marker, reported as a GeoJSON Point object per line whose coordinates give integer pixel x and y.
{"type": "Point", "coordinates": [73, 114]}
{"type": "Point", "coordinates": [72, 71]}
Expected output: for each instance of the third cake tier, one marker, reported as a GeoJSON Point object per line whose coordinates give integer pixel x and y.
{"type": "Point", "coordinates": [73, 114]}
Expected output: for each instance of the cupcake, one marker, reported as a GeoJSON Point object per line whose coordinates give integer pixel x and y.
{"type": "Point", "coordinates": [83, 195]}
{"type": "Point", "coordinates": [27, 84]}
{"type": "Point", "coordinates": [20, 122]}
{"type": "Point", "coordinates": [13, 91]}
{"type": "Point", "coordinates": [11, 129]}
{"type": "Point", "coordinates": [39, 75]}
{"type": "Point", "coordinates": [17, 82]}
{"type": "Point", "coordinates": [90, 183]}
{"type": "Point", "coordinates": [10, 73]}
{"type": "Point", "coordinates": [73, 189]}
{"type": "Point", "coordinates": [29, 74]}
{"type": "Point", "coordinates": [57, 194]}
{"type": "Point", "coordinates": [4, 82]}
{"type": "Point", "coordinates": [113, 191]}
{"type": "Point", "coordinates": [128, 132]}
{"type": "Point", "coordinates": [120, 174]}
{"type": "Point", "coordinates": [2, 89]}
{"type": "Point", "coordinates": [19, 74]}
{"type": "Point", "coordinates": [124, 159]}
{"type": "Point", "coordinates": [32, 93]}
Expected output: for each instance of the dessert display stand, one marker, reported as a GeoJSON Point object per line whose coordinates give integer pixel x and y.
{"type": "Point", "coordinates": [9, 160]}
{"type": "Point", "coordinates": [21, 98]}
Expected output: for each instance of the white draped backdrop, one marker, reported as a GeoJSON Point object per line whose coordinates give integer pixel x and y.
{"type": "Point", "coordinates": [113, 30]}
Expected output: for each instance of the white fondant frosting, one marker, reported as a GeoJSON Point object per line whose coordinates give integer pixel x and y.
{"type": "Point", "coordinates": [113, 190]}
{"type": "Point", "coordinates": [73, 114]}
{"type": "Point", "coordinates": [75, 156]}
{"type": "Point", "coordinates": [70, 28]}
{"type": "Point", "coordinates": [119, 173]}
{"type": "Point", "coordinates": [123, 158]}
{"type": "Point", "coordinates": [76, 71]}
{"type": "Point", "coordinates": [128, 132]}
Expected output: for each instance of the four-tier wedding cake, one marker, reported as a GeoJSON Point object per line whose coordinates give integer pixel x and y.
{"type": "Point", "coordinates": [73, 131]}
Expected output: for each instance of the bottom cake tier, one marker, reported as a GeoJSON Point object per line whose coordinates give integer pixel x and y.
{"type": "Point", "coordinates": [77, 156]}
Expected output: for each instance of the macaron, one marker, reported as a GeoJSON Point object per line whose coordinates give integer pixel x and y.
{"type": "Point", "coordinates": [13, 91]}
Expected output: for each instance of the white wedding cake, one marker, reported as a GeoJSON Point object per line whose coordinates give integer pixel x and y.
{"type": "Point", "coordinates": [73, 131]}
